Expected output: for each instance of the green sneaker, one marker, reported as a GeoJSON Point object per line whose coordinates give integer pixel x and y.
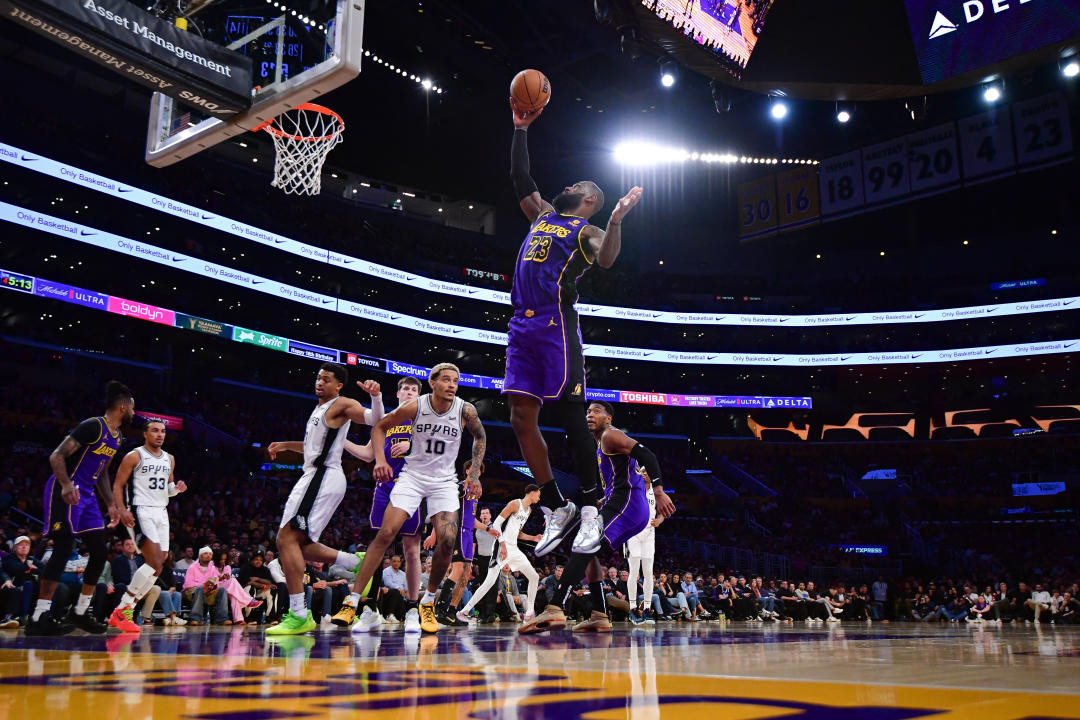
{"type": "Point", "coordinates": [292, 625]}
{"type": "Point", "coordinates": [356, 570]}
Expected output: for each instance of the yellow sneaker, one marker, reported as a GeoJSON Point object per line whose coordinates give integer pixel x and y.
{"type": "Point", "coordinates": [345, 615]}
{"type": "Point", "coordinates": [597, 622]}
{"type": "Point", "coordinates": [428, 622]}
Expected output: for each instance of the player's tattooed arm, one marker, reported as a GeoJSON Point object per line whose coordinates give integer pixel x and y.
{"type": "Point", "coordinates": [472, 423]}
{"type": "Point", "coordinates": [106, 490]}
{"type": "Point", "coordinates": [58, 462]}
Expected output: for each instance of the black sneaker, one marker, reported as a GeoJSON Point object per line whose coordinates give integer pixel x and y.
{"type": "Point", "coordinates": [648, 617]}
{"type": "Point", "coordinates": [447, 620]}
{"type": "Point", "coordinates": [636, 618]}
{"type": "Point", "coordinates": [86, 622]}
{"type": "Point", "coordinates": [47, 625]}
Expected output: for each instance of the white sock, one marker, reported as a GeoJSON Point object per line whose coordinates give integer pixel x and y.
{"type": "Point", "coordinates": [41, 607]}
{"type": "Point", "coordinates": [296, 605]}
{"type": "Point", "coordinates": [82, 604]}
{"type": "Point", "coordinates": [646, 604]}
{"type": "Point", "coordinates": [353, 600]}
{"type": "Point", "coordinates": [141, 582]}
{"type": "Point", "coordinates": [429, 597]}
{"type": "Point", "coordinates": [589, 512]}
{"type": "Point", "coordinates": [347, 560]}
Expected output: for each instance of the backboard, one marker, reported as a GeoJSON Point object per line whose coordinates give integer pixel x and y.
{"type": "Point", "coordinates": [300, 50]}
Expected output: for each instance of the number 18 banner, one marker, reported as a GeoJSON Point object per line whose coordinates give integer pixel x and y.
{"type": "Point", "coordinates": [797, 197]}
{"type": "Point", "coordinates": [841, 185]}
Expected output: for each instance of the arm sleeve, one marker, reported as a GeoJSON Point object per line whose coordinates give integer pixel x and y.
{"type": "Point", "coordinates": [87, 431]}
{"type": "Point", "coordinates": [376, 412]}
{"type": "Point", "coordinates": [497, 525]}
{"type": "Point", "coordinates": [523, 183]}
{"type": "Point", "coordinates": [645, 456]}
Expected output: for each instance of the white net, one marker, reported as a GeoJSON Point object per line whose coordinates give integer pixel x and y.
{"type": "Point", "coordinates": [303, 137]}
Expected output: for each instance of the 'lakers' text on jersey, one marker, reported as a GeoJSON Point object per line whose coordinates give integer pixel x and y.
{"type": "Point", "coordinates": [394, 435]}
{"type": "Point", "coordinates": [549, 263]}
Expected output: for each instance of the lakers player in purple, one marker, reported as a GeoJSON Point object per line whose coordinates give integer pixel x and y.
{"type": "Point", "coordinates": [625, 513]}
{"type": "Point", "coordinates": [80, 466]}
{"type": "Point", "coordinates": [544, 361]}
{"type": "Point", "coordinates": [398, 442]}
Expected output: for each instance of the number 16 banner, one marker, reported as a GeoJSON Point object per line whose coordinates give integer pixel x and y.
{"type": "Point", "coordinates": [797, 197]}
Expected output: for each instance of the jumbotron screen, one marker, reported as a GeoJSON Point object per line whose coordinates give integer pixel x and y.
{"type": "Point", "coordinates": [729, 28]}
{"type": "Point", "coordinates": [953, 37]}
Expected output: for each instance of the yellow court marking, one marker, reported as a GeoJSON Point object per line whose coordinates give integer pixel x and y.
{"type": "Point", "coordinates": [52, 684]}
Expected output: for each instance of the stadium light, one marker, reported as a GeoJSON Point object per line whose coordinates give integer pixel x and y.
{"type": "Point", "coordinates": [669, 71]}
{"type": "Point", "coordinates": [778, 110]}
{"type": "Point", "coordinates": [844, 112]}
{"type": "Point", "coordinates": [843, 116]}
{"type": "Point", "coordinates": [638, 153]}
{"type": "Point", "coordinates": [426, 84]}
{"type": "Point", "coordinates": [992, 93]}
{"type": "Point", "coordinates": [1071, 68]}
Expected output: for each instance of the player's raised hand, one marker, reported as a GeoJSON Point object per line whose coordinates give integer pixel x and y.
{"type": "Point", "coordinates": [626, 204]}
{"type": "Point", "coordinates": [664, 506]}
{"type": "Point", "coordinates": [370, 387]}
{"type": "Point", "coordinates": [523, 118]}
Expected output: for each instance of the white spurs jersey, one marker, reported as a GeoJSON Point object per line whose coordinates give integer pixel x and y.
{"type": "Point", "coordinates": [323, 445]}
{"type": "Point", "coordinates": [149, 484]}
{"type": "Point", "coordinates": [514, 523]}
{"type": "Point", "coordinates": [436, 440]}
{"type": "Point", "coordinates": [651, 497]}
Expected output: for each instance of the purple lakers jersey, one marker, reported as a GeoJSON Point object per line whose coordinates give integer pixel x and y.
{"type": "Point", "coordinates": [395, 435]}
{"type": "Point", "coordinates": [618, 472]}
{"type": "Point", "coordinates": [91, 461]}
{"type": "Point", "coordinates": [549, 264]}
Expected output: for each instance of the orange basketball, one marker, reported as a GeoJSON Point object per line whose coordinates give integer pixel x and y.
{"type": "Point", "coordinates": [530, 90]}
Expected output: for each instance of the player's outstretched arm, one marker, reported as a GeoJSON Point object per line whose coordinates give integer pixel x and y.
{"type": "Point", "coordinates": [528, 196]}
{"type": "Point", "coordinates": [296, 446]}
{"type": "Point", "coordinates": [123, 474]}
{"type": "Point", "coordinates": [606, 244]}
{"type": "Point", "coordinates": [377, 410]}
{"type": "Point", "coordinates": [360, 452]}
{"type": "Point", "coordinates": [471, 420]}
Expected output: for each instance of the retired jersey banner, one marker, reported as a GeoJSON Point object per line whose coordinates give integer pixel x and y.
{"type": "Point", "coordinates": [797, 197]}
{"type": "Point", "coordinates": [757, 208]}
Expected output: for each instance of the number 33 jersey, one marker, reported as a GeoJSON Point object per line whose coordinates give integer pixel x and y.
{"type": "Point", "coordinates": [150, 479]}
{"type": "Point", "coordinates": [436, 439]}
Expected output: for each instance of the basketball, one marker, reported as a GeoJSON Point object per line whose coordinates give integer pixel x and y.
{"type": "Point", "coordinates": [531, 90]}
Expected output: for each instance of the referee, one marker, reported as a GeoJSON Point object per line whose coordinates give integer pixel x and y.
{"type": "Point", "coordinates": [485, 549]}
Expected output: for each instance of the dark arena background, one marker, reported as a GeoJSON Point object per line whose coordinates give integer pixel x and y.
{"type": "Point", "coordinates": [838, 323]}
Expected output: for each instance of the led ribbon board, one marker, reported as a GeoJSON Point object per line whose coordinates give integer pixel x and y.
{"type": "Point", "coordinates": [138, 249]}
{"type": "Point", "coordinates": [130, 193]}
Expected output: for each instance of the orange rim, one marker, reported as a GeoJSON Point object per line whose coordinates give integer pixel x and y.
{"type": "Point", "coordinates": [277, 132]}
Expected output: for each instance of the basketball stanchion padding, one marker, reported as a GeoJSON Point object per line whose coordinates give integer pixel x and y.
{"type": "Point", "coordinates": [303, 137]}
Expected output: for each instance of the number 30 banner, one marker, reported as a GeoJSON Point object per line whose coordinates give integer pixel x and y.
{"type": "Point", "coordinates": [757, 208]}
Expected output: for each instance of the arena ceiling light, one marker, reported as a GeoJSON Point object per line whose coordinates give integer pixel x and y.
{"type": "Point", "coordinates": [778, 109]}
{"type": "Point", "coordinates": [669, 72]}
{"type": "Point", "coordinates": [844, 113]}
{"type": "Point", "coordinates": [645, 153]}
{"type": "Point", "coordinates": [1070, 68]}
{"type": "Point", "coordinates": [426, 83]}
{"type": "Point", "coordinates": [992, 92]}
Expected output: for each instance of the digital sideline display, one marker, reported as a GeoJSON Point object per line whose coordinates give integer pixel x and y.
{"type": "Point", "coordinates": [40, 287]}
{"type": "Point", "coordinates": [145, 251]}
{"type": "Point", "coordinates": [113, 188]}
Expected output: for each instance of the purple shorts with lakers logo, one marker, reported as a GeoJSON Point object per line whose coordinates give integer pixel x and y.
{"type": "Point", "coordinates": [380, 501]}
{"type": "Point", "coordinates": [82, 517]}
{"type": "Point", "coordinates": [625, 514]}
{"type": "Point", "coordinates": [543, 356]}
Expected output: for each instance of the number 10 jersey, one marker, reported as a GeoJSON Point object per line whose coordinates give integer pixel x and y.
{"type": "Point", "coordinates": [436, 439]}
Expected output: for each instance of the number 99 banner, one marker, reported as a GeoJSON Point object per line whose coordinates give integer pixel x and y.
{"type": "Point", "coordinates": [757, 208]}
{"type": "Point", "coordinates": [798, 197]}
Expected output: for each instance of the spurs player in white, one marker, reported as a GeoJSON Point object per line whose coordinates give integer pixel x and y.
{"type": "Point", "coordinates": [319, 490]}
{"type": "Point", "coordinates": [143, 509]}
{"type": "Point", "coordinates": [439, 419]}
{"type": "Point", "coordinates": [640, 551]}
{"type": "Point", "coordinates": [514, 515]}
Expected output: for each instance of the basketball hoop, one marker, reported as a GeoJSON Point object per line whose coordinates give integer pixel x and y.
{"type": "Point", "coordinates": [303, 137]}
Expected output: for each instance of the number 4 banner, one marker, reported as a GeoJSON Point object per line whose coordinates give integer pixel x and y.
{"type": "Point", "coordinates": [1043, 136]}
{"type": "Point", "coordinates": [798, 197]}
{"type": "Point", "coordinates": [987, 146]}
{"type": "Point", "coordinates": [932, 160]}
